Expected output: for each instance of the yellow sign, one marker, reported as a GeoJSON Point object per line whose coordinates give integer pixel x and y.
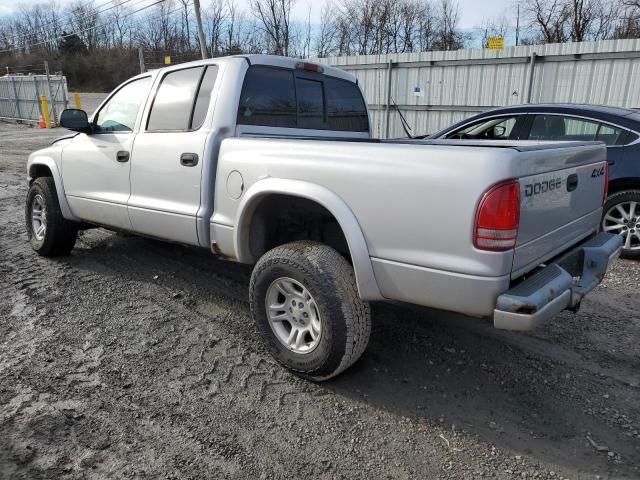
{"type": "Point", "coordinates": [167, 59]}
{"type": "Point", "coordinates": [496, 43]}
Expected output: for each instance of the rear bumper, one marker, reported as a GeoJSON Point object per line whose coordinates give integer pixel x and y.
{"type": "Point", "coordinates": [560, 285]}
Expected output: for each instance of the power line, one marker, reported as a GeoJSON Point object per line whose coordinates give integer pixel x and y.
{"type": "Point", "coordinates": [60, 37]}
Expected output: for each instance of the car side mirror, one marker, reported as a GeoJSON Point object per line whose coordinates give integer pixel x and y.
{"type": "Point", "coordinates": [76, 120]}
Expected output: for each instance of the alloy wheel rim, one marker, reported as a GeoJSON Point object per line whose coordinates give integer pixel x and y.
{"type": "Point", "coordinates": [293, 315]}
{"type": "Point", "coordinates": [624, 219]}
{"type": "Point", "coordinates": [38, 217]}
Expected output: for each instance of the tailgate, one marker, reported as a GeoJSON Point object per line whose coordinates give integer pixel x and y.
{"type": "Point", "coordinates": [561, 201]}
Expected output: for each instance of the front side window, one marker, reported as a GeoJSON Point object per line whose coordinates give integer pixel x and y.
{"type": "Point", "coordinates": [492, 129]}
{"type": "Point", "coordinates": [121, 110]}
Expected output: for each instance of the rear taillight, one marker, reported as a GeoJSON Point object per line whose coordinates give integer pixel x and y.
{"type": "Point", "coordinates": [606, 182]}
{"type": "Point", "coordinates": [498, 218]}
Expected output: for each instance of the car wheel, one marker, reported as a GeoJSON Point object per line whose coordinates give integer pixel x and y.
{"type": "Point", "coordinates": [306, 306]}
{"type": "Point", "coordinates": [48, 231]}
{"type": "Point", "coordinates": [622, 216]}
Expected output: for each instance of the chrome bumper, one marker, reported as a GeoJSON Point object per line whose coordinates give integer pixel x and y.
{"type": "Point", "coordinates": [560, 285]}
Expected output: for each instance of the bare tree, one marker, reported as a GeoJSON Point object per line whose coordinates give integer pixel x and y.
{"type": "Point", "coordinates": [185, 26]}
{"type": "Point", "coordinates": [449, 36]}
{"type": "Point", "coordinates": [120, 21]}
{"type": "Point", "coordinates": [214, 19]}
{"type": "Point", "coordinates": [328, 31]}
{"type": "Point", "coordinates": [549, 18]}
{"type": "Point", "coordinates": [628, 22]}
{"type": "Point", "coordinates": [275, 19]}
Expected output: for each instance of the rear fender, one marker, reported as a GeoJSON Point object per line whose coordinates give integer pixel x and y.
{"type": "Point", "coordinates": [365, 278]}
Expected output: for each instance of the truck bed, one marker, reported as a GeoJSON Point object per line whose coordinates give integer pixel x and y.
{"type": "Point", "coordinates": [416, 201]}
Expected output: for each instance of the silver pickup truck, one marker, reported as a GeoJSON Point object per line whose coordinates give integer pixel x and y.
{"type": "Point", "coordinates": [269, 161]}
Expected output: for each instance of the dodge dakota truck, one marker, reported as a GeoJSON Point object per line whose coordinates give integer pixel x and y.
{"type": "Point", "coordinates": [269, 161]}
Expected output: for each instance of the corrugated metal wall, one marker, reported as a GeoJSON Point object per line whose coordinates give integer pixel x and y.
{"type": "Point", "coordinates": [20, 96]}
{"type": "Point", "coordinates": [457, 84]}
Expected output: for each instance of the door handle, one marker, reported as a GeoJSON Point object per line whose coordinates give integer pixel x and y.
{"type": "Point", "coordinates": [572, 182]}
{"type": "Point", "coordinates": [189, 159]}
{"type": "Point", "coordinates": [122, 156]}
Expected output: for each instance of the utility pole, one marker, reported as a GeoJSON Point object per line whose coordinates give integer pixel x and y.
{"type": "Point", "coordinates": [50, 93]}
{"type": "Point", "coordinates": [141, 60]}
{"type": "Point", "coordinates": [203, 42]}
{"type": "Point", "coordinates": [518, 25]}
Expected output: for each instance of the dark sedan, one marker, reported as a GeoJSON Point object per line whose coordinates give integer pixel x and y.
{"type": "Point", "coordinates": [618, 128]}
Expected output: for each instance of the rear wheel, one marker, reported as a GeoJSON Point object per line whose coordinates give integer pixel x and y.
{"type": "Point", "coordinates": [622, 216]}
{"type": "Point", "coordinates": [306, 306]}
{"type": "Point", "coordinates": [48, 231]}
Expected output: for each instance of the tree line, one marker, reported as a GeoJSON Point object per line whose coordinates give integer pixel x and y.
{"type": "Point", "coordinates": [95, 42]}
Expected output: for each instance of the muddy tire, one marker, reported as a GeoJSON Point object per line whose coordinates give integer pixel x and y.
{"type": "Point", "coordinates": [48, 231]}
{"type": "Point", "coordinates": [306, 306]}
{"type": "Point", "coordinates": [621, 215]}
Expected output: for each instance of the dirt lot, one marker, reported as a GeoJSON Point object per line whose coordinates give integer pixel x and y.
{"type": "Point", "coordinates": [134, 358]}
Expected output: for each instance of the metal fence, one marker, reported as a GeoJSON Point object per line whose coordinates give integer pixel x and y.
{"type": "Point", "coordinates": [20, 96]}
{"type": "Point", "coordinates": [435, 89]}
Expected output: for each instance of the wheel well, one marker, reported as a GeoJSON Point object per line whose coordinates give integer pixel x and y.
{"type": "Point", "coordinates": [624, 184]}
{"type": "Point", "coordinates": [280, 219]}
{"type": "Point", "coordinates": [37, 171]}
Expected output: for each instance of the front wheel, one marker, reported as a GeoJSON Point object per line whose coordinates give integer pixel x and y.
{"type": "Point", "coordinates": [306, 306]}
{"type": "Point", "coordinates": [622, 216]}
{"type": "Point", "coordinates": [48, 231]}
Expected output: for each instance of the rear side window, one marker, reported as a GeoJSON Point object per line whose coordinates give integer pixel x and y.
{"type": "Point", "coordinates": [611, 135]}
{"type": "Point", "coordinates": [274, 97]}
{"type": "Point", "coordinates": [173, 103]}
{"type": "Point", "coordinates": [204, 97]}
{"type": "Point", "coordinates": [182, 100]}
{"type": "Point", "coordinates": [555, 127]}
{"type": "Point", "coordinates": [268, 98]}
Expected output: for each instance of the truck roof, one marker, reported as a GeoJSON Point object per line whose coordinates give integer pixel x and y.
{"type": "Point", "coordinates": [271, 60]}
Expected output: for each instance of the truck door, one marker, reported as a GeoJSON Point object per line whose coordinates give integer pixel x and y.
{"type": "Point", "coordinates": [95, 167]}
{"type": "Point", "coordinates": [167, 156]}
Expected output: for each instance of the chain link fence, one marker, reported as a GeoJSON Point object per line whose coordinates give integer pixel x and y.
{"type": "Point", "coordinates": [20, 96]}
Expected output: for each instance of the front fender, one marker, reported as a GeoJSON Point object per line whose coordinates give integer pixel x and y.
{"type": "Point", "coordinates": [365, 278]}
{"type": "Point", "coordinates": [48, 162]}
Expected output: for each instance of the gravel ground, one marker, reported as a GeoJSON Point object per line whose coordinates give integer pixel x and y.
{"type": "Point", "coordinates": [134, 358]}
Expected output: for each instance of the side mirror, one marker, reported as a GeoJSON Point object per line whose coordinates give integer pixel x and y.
{"type": "Point", "coordinates": [74, 119]}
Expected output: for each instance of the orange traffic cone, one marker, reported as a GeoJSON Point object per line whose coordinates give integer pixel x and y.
{"type": "Point", "coordinates": [41, 123]}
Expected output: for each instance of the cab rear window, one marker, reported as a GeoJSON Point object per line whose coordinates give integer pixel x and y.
{"type": "Point", "coordinates": [277, 97]}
